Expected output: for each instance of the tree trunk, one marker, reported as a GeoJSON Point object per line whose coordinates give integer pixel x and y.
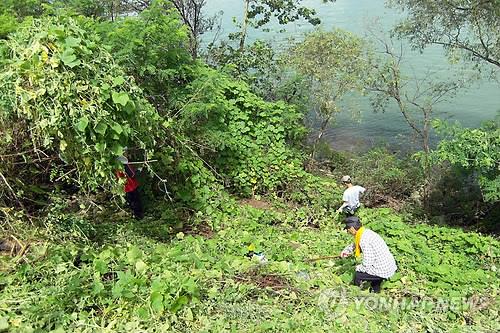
{"type": "Point", "coordinates": [244, 25]}
{"type": "Point", "coordinates": [426, 148]}
{"type": "Point", "coordinates": [322, 130]}
{"type": "Point", "coordinates": [193, 40]}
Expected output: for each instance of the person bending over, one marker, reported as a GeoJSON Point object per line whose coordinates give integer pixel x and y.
{"type": "Point", "coordinates": [378, 263]}
{"type": "Point", "coordinates": [351, 196]}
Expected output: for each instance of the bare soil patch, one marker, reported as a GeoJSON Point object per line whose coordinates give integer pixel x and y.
{"type": "Point", "coordinates": [256, 203]}
{"type": "Point", "coordinates": [10, 247]}
{"type": "Point", "coordinates": [203, 230]}
{"type": "Point", "coordinates": [275, 282]}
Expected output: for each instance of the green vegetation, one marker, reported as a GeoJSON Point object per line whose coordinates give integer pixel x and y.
{"type": "Point", "coordinates": [123, 275]}
{"type": "Point", "coordinates": [228, 169]}
{"type": "Point", "coordinates": [466, 28]}
{"type": "Point", "coordinates": [62, 93]}
{"type": "Point", "coordinates": [476, 150]}
{"type": "Point", "coordinates": [257, 13]}
{"type": "Point", "coordinates": [334, 64]}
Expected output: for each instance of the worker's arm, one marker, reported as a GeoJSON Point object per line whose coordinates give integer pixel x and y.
{"type": "Point", "coordinates": [342, 207]}
{"type": "Point", "coordinates": [347, 251]}
{"type": "Point", "coordinates": [345, 201]}
{"type": "Point", "coordinates": [362, 191]}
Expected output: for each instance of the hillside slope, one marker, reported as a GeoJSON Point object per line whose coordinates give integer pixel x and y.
{"type": "Point", "coordinates": [120, 275]}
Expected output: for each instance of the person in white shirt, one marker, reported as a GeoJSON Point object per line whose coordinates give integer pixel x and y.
{"type": "Point", "coordinates": [351, 196]}
{"type": "Point", "coordinates": [378, 263]}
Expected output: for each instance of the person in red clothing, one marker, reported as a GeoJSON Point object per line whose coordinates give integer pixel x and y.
{"type": "Point", "coordinates": [131, 188]}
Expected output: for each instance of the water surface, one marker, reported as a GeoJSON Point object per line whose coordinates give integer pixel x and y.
{"type": "Point", "coordinates": [366, 128]}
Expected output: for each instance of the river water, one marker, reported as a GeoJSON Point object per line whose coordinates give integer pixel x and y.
{"type": "Point", "coordinates": [357, 127]}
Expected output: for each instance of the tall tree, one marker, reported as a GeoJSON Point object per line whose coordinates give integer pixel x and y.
{"type": "Point", "coordinates": [258, 63]}
{"type": "Point", "coordinates": [334, 64]}
{"type": "Point", "coordinates": [415, 96]}
{"type": "Point", "coordinates": [190, 12]}
{"type": "Point", "coordinates": [257, 13]}
{"type": "Point", "coordinates": [469, 26]}
{"type": "Point", "coordinates": [193, 17]}
{"type": "Point", "coordinates": [152, 47]}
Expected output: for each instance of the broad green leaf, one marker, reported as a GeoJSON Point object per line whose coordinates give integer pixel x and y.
{"type": "Point", "coordinates": [130, 107]}
{"type": "Point", "coordinates": [117, 290]}
{"type": "Point", "coordinates": [179, 303]}
{"type": "Point", "coordinates": [133, 254]}
{"type": "Point", "coordinates": [142, 313]}
{"type": "Point", "coordinates": [4, 323]}
{"type": "Point", "coordinates": [82, 124]}
{"type": "Point", "coordinates": [157, 285]}
{"type": "Point", "coordinates": [72, 41]}
{"type": "Point", "coordinates": [101, 128]}
{"type": "Point", "coordinates": [100, 147]}
{"type": "Point", "coordinates": [69, 58]}
{"type": "Point", "coordinates": [117, 128]}
{"type": "Point", "coordinates": [119, 80]}
{"type": "Point", "coordinates": [140, 266]}
{"type": "Point", "coordinates": [120, 98]}
{"type": "Point", "coordinates": [157, 302]}
{"type": "Point", "coordinates": [117, 149]}
{"type": "Point", "coordinates": [73, 63]}
{"type": "Point", "coordinates": [100, 266]}
{"type": "Point", "coordinates": [97, 287]}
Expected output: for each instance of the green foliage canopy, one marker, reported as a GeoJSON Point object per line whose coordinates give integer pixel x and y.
{"type": "Point", "coordinates": [246, 137]}
{"type": "Point", "coordinates": [468, 26]}
{"type": "Point", "coordinates": [285, 11]}
{"type": "Point", "coordinates": [62, 94]}
{"type": "Point", "coordinates": [475, 149]}
{"type": "Point", "coordinates": [334, 63]}
{"type": "Point", "coordinates": [153, 49]}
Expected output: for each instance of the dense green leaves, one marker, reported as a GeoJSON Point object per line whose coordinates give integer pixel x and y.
{"type": "Point", "coordinates": [334, 64]}
{"type": "Point", "coordinates": [195, 283]}
{"type": "Point", "coordinates": [151, 48]}
{"type": "Point", "coordinates": [286, 11]}
{"type": "Point", "coordinates": [477, 150]}
{"type": "Point", "coordinates": [56, 92]}
{"type": "Point", "coordinates": [246, 137]}
{"type": "Point", "coordinates": [71, 100]}
{"type": "Point", "coordinates": [466, 26]}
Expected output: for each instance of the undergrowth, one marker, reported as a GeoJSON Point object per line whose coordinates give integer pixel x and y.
{"type": "Point", "coordinates": [157, 275]}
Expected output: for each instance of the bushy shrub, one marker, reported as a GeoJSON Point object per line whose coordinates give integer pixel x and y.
{"type": "Point", "coordinates": [477, 150]}
{"type": "Point", "coordinates": [67, 110]}
{"type": "Point", "coordinates": [386, 176]}
{"type": "Point", "coordinates": [249, 142]}
{"type": "Point", "coordinates": [152, 48]}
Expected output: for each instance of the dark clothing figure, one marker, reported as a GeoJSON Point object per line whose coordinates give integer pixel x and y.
{"type": "Point", "coordinates": [134, 202]}
{"type": "Point", "coordinates": [132, 191]}
{"type": "Point", "coordinates": [349, 211]}
{"type": "Point", "coordinates": [376, 281]}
